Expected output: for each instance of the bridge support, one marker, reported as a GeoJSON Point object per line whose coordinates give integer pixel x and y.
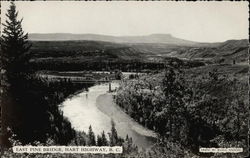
{"type": "Point", "coordinates": [110, 87]}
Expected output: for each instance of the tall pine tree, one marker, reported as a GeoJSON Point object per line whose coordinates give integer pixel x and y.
{"type": "Point", "coordinates": [113, 136]}
{"type": "Point", "coordinates": [104, 139]}
{"type": "Point", "coordinates": [14, 44]}
{"type": "Point", "coordinates": [99, 140]}
{"type": "Point", "coordinates": [91, 136]}
{"type": "Point", "coordinates": [172, 117]}
{"type": "Point", "coordinates": [13, 58]}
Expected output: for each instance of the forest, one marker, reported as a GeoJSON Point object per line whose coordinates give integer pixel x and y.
{"type": "Point", "coordinates": [192, 110]}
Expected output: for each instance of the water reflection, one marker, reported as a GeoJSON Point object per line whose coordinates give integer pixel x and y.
{"type": "Point", "coordinates": [96, 108]}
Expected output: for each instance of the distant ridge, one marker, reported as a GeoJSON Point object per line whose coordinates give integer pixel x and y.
{"type": "Point", "coordinates": [153, 38]}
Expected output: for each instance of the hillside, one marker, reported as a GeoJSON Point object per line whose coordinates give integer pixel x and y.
{"type": "Point", "coordinates": [153, 38]}
{"type": "Point", "coordinates": [79, 53]}
{"type": "Point", "coordinates": [225, 52]}
{"type": "Point", "coordinates": [87, 55]}
{"type": "Point", "coordinates": [83, 49]}
{"type": "Point", "coordinates": [96, 55]}
{"type": "Point", "coordinates": [154, 47]}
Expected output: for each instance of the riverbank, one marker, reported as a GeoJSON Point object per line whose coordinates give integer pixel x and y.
{"type": "Point", "coordinates": [105, 103]}
{"type": "Point", "coordinates": [124, 123]}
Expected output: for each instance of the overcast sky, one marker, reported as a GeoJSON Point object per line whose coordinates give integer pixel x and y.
{"type": "Point", "coordinates": [196, 21]}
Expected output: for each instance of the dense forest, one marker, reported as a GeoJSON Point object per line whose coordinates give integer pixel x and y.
{"type": "Point", "coordinates": [34, 103]}
{"type": "Point", "coordinates": [207, 109]}
{"type": "Point", "coordinates": [127, 66]}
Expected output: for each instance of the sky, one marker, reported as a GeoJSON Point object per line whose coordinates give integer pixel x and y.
{"type": "Point", "coordinates": [195, 21]}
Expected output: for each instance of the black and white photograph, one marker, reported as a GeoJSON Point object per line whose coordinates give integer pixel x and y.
{"type": "Point", "coordinates": [123, 79]}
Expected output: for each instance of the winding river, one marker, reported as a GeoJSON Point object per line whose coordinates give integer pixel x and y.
{"type": "Point", "coordinates": [96, 108]}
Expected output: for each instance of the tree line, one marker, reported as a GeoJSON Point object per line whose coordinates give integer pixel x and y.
{"type": "Point", "coordinates": [91, 139]}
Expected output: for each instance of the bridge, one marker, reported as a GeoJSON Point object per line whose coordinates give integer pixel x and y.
{"type": "Point", "coordinates": [78, 79]}
{"type": "Point", "coordinates": [90, 81]}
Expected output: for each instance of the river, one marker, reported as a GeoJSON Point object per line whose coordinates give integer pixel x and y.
{"type": "Point", "coordinates": [96, 108]}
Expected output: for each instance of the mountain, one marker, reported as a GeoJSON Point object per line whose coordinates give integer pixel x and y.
{"type": "Point", "coordinates": [153, 38]}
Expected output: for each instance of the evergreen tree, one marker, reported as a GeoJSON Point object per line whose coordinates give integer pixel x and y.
{"type": "Point", "coordinates": [172, 116]}
{"type": "Point", "coordinates": [13, 56]}
{"type": "Point", "coordinates": [99, 141]}
{"type": "Point", "coordinates": [128, 145]}
{"type": "Point", "coordinates": [127, 138]}
{"type": "Point", "coordinates": [113, 137]}
{"type": "Point", "coordinates": [80, 138]}
{"type": "Point", "coordinates": [104, 139]}
{"type": "Point", "coordinates": [14, 44]}
{"type": "Point", "coordinates": [91, 135]}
